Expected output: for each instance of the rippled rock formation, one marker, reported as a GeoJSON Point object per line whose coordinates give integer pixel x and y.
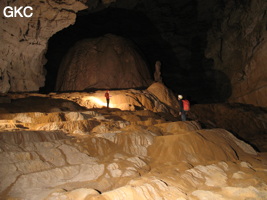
{"type": "Point", "coordinates": [70, 146]}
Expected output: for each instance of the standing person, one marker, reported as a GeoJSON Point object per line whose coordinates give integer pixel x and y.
{"type": "Point", "coordinates": [107, 97]}
{"type": "Point", "coordinates": [184, 107]}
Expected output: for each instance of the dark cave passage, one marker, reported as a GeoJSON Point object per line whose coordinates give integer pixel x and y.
{"type": "Point", "coordinates": [185, 70]}
{"type": "Point", "coordinates": [128, 24]}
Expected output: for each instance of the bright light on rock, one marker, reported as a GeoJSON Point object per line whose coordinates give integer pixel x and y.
{"type": "Point", "coordinates": [98, 102]}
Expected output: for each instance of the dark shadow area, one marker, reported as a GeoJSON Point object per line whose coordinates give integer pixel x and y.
{"type": "Point", "coordinates": [193, 75]}
{"type": "Point", "coordinates": [246, 122]}
{"type": "Point", "coordinates": [210, 86]}
{"type": "Point", "coordinates": [126, 23]}
{"type": "Point", "coordinates": [199, 81]}
{"type": "Point", "coordinates": [39, 104]}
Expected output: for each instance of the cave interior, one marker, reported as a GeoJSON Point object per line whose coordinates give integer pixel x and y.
{"type": "Point", "coordinates": [177, 37]}
{"type": "Point", "coordinates": [62, 138]}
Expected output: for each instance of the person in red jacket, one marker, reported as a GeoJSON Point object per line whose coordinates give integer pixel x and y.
{"type": "Point", "coordinates": [107, 97]}
{"type": "Point", "coordinates": [184, 107]}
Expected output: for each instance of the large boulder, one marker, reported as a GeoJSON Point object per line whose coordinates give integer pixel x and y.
{"type": "Point", "coordinates": [105, 62]}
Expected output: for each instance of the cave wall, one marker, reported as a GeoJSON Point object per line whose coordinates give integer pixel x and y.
{"type": "Point", "coordinates": [24, 41]}
{"type": "Point", "coordinates": [237, 44]}
{"type": "Point", "coordinates": [171, 31]}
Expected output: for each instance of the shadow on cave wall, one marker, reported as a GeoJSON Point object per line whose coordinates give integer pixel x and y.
{"type": "Point", "coordinates": [196, 78]}
{"type": "Point", "coordinates": [199, 81]}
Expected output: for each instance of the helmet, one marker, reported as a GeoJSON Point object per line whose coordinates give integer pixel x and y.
{"type": "Point", "coordinates": [180, 96]}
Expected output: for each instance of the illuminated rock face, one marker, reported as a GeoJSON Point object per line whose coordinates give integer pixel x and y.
{"type": "Point", "coordinates": [24, 42]}
{"type": "Point", "coordinates": [104, 62]}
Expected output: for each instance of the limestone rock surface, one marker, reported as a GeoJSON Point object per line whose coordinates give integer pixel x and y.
{"type": "Point", "coordinates": [246, 121]}
{"type": "Point", "coordinates": [105, 62]}
{"type": "Point", "coordinates": [237, 44]}
{"type": "Point", "coordinates": [24, 42]}
{"type": "Point", "coordinates": [163, 94]}
{"type": "Point", "coordinates": [90, 153]}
